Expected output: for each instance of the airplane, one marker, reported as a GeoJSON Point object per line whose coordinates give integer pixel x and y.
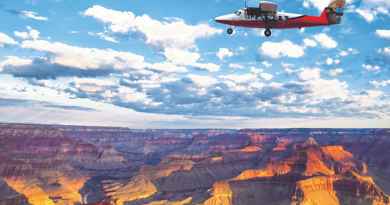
{"type": "Point", "coordinates": [266, 16]}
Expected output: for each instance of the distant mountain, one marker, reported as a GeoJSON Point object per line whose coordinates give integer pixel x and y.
{"type": "Point", "coordinates": [65, 165]}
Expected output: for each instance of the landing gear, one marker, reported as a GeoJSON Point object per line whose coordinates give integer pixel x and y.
{"type": "Point", "coordinates": [267, 32]}
{"type": "Point", "coordinates": [229, 31]}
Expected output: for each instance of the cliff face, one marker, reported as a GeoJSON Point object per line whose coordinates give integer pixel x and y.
{"type": "Point", "coordinates": [9, 196]}
{"type": "Point", "coordinates": [65, 165]}
{"type": "Point", "coordinates": [308, 175]}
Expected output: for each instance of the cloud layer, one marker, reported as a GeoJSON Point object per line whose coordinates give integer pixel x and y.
{"type": "Point", "coordinates": [183, 70]}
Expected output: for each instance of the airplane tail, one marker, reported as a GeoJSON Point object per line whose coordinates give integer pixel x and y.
{"type": "Point", "coordinates": [334, 12]}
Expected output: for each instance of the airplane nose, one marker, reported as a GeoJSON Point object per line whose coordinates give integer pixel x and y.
{"type": "Point", "coordinates": [219, 19]}
{"type": "Point", "coordinates": [225, 18]}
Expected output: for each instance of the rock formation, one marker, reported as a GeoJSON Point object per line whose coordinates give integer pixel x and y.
{"type": "Point", "coordinates": [72, 165]}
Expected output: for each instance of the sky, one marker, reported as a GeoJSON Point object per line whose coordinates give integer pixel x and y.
{"type": "Point", "coordinates": [167, 64]}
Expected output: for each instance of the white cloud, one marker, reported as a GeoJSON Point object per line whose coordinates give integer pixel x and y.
{"type": "Point", "coordinates": [129, 95]}
{"type": "Point", "coordinates": [22, 35]}
{"type": "Point", "coordinates": [6, 40]}
{"type": "Point", "coordinates": [33, 15]}
{"type": "Point", "coordinates": [266, 76]}
{"type": "Point", "coordinates": [266, 64]}
{"type": "Point", "coordinates": [210, 67]}
{"type": "Point", "coordinates": [120, 22]}
{"type": "Point", "coordinates": [370, 9]}
{"type": "Point", "coordinates": [202, 81]}
{"type": "Point", "coordinates": [223, 53]}
{"type": "Point", "coordinates": [95, 81]}
{"type": "Point", "coordinates": [104, 36]}
{"type": "Point", "coordinates": [93, 58]}
{"type": "Point", "coordinates": [235, 66]}
{"type": "Point", "coordinates": [227, 95]}
{"type": "Point", "coordinates": [378, 84]}
{"type": "Point", "coordinates": [29, 34]}
{"type": "Point", "coordinates": [325, 41]}
{"type": "Point", "coordinates": [343, 53]}
{"type": "Point", "coordinates": [335, 72]}
{"type": "Point", "coordinates": [309, 74]}
{"type": "Point", "coordinates": [178, 48]}
{"type": "Point", "coordinates": [319, 4]}
{"type": "Point", "coordinates": [168, 67]}
{"type": "Point", "coordinates": [240, 78]}
{"type": "Point", "coordinates": [14, 61]}
{"type": "Point", "coordinates": [385, 51]}
{"type": "Point", "coordinates": [321, 89]}
{"type": "Point", "coordinates": [367, 99]}
{"type": "Point", "coordinates": [331, 61]}
{"type": "Point", "coordinates": [371, 68]}
{"type": "Point", "coordinates": [179, 56]}
{"type": "Point", "coordinates": [379, 5]}
{"type": "Point", "coordinates": [309, 42]}
{"type": "Point", "coordinates": [86, 58]}
{"type": "Point", "coordinates": [281, 49]}
{"type": "Point", "coordinates": [367, 14]}
{"type": "Point", "coordinates": [182, 57]}
{"type": "Point", "coordinates": [93, 85]}
{"type": "Point", "coordinates": [188, 58]}
{"type": "Point", "coordinates": [383, 33]}
{"type": "Point", "coordinates": [168, 33]}
{"type": "Point", "coordinates": [349, 51]}
{"type": "Point", "coordinates": [288, 68]}
{"type": "Point", "coordinates": [247, 81]}
{"type": "Point", "coordinates": [173, 36]}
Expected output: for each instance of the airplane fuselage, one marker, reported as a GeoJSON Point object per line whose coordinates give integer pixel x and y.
{"type": "Point", "coordinates": [280, 20]}
{"type": "Point", "coordinates": [266, 16]}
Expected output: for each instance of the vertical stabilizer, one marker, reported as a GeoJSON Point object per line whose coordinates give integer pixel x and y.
{"type": "Point", "coordinates": [334, 12]}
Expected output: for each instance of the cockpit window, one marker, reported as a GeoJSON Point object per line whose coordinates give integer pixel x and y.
{"type": "Point", "coordinates": [238, 13]}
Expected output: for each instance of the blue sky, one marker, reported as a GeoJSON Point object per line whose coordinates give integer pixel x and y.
{"type": "Point", "coordinates": [167, 64]}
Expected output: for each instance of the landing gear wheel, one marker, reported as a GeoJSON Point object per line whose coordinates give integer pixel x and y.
{"type": "Point", "coordinates": [267, 32]}
{"type": "Point", "coordinates": [230, 31]}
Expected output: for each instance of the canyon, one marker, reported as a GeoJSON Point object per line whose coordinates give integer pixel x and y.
{"type": "Point", "coordinates": [76, 165]}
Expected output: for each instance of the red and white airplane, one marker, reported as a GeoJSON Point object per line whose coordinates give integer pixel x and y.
{"type": "Point", "coordinates": [266, 16]}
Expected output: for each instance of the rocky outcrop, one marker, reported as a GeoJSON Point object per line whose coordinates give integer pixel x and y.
{"type": "Point", "coordinates": [316, 190]}
{"type": "Point", "coordinates": [139, 187]}
{"type": "Point", "coordinates": [308, 175]}
{"type": "Point", "coordinates": [48, 190]}
{"type": "Point", "coordinates": [10, 196]}
{"type": "Point", "coordinates": [222, 194]}
{"type": "Point", "coordinates": [166, 202]}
